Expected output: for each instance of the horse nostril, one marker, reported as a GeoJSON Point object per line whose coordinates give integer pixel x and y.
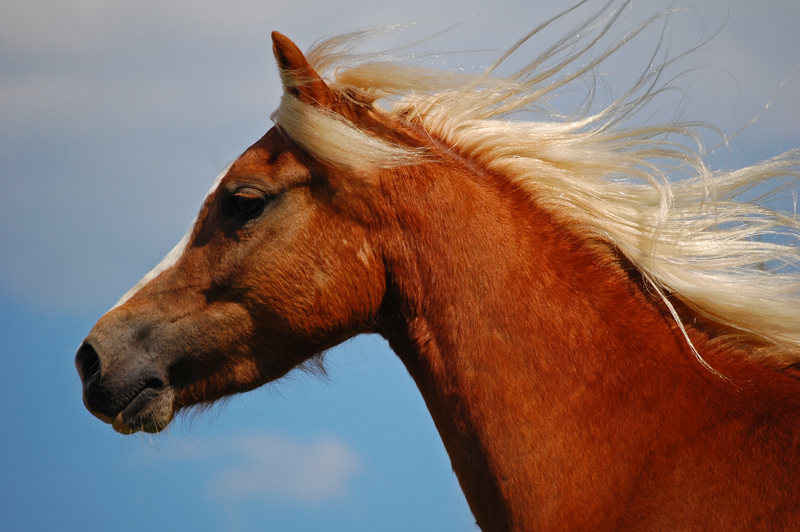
{"type": "Point", "coordinates": [154, 382]}
{"type": "Point", "coordinates": [87, 362]}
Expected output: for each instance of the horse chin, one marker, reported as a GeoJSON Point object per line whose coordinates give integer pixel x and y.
{"type": "Point", "coordinates": [152, 428]}
{"type": "Point", "coordinates": [149, 412]}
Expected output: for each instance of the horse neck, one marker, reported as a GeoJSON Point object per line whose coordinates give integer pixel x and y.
{"type": "Point", "coordinates": [532, 346]}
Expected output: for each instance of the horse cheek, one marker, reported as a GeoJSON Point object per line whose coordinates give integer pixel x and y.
{"type": "Point", "coordinates": [330, 290]}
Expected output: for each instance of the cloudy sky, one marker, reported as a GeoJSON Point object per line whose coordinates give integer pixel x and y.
{"type": "Point", "coordinates": [115, 117]}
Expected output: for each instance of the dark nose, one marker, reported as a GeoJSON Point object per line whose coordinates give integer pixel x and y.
{"type": "Point", "coordinates": [96, 398]}
{"type": "Point", "coordinates": [115, 384]}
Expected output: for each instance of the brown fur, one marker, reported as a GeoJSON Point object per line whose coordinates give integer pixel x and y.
{"type": "Point", "coordinates": [565, 394]}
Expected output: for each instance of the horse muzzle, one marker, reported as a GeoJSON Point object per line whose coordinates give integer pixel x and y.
{"type": "Point", "coordinates": [129, 397]}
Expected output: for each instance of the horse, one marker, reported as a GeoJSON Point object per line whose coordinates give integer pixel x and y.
{"type": "Point", "coordinates": [602, 346]}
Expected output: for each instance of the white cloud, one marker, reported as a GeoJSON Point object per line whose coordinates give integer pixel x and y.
{"type": "Point", "coordinates": [269, 467]}
{"type": "Point", "coordinates": [274, 466]}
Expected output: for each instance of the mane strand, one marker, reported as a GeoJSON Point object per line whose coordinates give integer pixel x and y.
{"type": "Point", "coordinates": [645, 189]}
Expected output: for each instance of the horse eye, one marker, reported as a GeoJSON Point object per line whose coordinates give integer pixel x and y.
{"type": "Point", "coordinates": [247, 202]}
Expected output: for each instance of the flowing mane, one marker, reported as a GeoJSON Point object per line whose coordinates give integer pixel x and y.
{"type": "Point", "coordinates": [644, 189]}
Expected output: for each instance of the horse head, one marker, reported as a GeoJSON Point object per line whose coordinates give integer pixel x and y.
{"type": "Point", "coordinates": [278, 267]}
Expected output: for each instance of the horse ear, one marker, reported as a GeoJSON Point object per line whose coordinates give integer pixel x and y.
{"type": "Point", "coordinates": [298, 76]}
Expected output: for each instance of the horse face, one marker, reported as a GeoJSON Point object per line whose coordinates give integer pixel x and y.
{"type": "Point", "coordinates": [273, 272]}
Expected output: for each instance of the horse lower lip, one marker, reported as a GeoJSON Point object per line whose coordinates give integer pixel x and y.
{"type": "Point", "coordinates": [119, 425]}
{"type": "Point", "coordinates": [150, 411]}
{"type": "Point", "coordinates": [138, 404]}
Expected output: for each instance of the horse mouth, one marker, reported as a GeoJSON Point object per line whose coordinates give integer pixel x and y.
{"type": "Point", "coordinates": [149, 411]}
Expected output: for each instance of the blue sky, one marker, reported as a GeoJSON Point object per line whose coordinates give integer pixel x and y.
{"type": "Point", "coordinates": [114, 120]}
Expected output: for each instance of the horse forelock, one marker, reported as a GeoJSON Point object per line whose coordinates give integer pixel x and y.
{"type": "Point", "coordinates": [336, 141]}
{"type": "Point", "coordinates": [644, 189]}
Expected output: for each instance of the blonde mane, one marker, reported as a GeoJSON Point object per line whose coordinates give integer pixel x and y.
{"type": "Point", "coordinates": [646, 189]}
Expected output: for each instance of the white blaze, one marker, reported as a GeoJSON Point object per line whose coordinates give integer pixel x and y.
{"type": "Point", "coordinates": [173, 256]}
